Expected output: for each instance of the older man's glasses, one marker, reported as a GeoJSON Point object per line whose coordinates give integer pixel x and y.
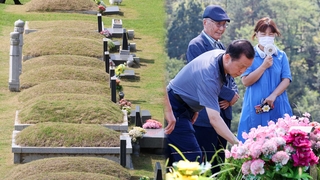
{"type": "Point", "coordinates": [218, 24]}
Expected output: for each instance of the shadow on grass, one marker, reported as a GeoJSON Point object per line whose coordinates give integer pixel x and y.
{"type": "Point", "coordinates": [142, 60]}
{"type": "Point", "coordinates": [131, 79]}
{"type": "Point", "coordinates": [146, 162]}
{"type": "Point", "coordinates": [137, 101]}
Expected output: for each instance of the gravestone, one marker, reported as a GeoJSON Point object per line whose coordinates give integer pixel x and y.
{"type": "Point", "coordinates": [100, 23]}
{"type": "Point", "coordinates": [130, 34]}
{"type": "Point", "coordinates": [157, 171]}
{"type": "Point", "coordinates": [19, 27]}
{"type": "Point", "coordinates": [123, 153]}
{"type": "Point", "coordinates": [116, 23]}
{"type": "Point", "coordinates": [111, 10]}
{"type": "Point", "coordinates": [138, 120]}
{"type": "Point", "coordinates": [125, 43]}
{"type": "Point", "coordinates": [120, 58]}
{"type": "Point", "coordinates": [153, 139]}
{"type": "Point", "coordinates": [143, 115]}
{"type": "Point", "coordinates": [132, 47]}
{"type": "Point", "coordinates": [116, 32]}
{"type": "Point", "coordinates": [106, 57]}
{"type": "Point", "coordinates": [14, 80]}
{"type": "Point", "coordinates": [113, 89]}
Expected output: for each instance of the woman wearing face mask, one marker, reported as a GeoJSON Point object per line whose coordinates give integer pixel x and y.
{"type": "Point", "coordinates": [266, 81]}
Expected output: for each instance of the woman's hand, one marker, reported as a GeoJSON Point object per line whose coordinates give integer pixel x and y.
{"type": "Point", "coordinates": [267, 62]}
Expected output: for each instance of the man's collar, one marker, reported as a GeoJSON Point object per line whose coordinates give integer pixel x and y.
{"type": "Point", "coordinates": [221, 68]}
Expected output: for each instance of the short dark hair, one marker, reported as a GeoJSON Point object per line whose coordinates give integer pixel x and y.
{"type": "Point", "coordinates": [239, 47]}
{"type": "Point", "coordinates": [263, 24]}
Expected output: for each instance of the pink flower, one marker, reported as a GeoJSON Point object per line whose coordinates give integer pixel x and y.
{"type": "Point", "coordinates": [281, 157]}
{"type": "Point", "coordinates": [245, 168]}
{"type": "Point", "coordinates": [101, 8]}
{"type": "Point", "coordinates": [255, 149]}
{"type": "Point", "coordinates": [256, 167]}
{"type": "Point", "coordinates": [227, 153]}
{"type": "Point", "coordinates": [273, 149]}
{"type": "Point", "coordinates": [306, 114]}
{"type": "Point", "coordinates": [269, 147]}
{"type": "Point", "coordinates": [152, 124]}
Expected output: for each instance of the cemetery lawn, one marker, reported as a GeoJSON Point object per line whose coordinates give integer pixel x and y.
{"type": "Point", "coordinates": [146, 18]}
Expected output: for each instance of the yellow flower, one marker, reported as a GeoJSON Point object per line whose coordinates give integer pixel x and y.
{"type": "Point", "coordinates": [120, 69]}
{"type": "Point", "coordinates": [177, 176]}
{"type": "Point", "coordinates": [187, 168]}
{"type": "Point", "coordinates": [187, 165]}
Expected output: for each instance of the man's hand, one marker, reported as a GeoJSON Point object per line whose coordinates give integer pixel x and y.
{"type": "Point", "coordinates": [234, 99]}
{"type": "Point", "coordinates": [224, 104]}
{"type": "Point", "coordinates": [194, 118]}
{"type": "Point", "coordinates": [171, 120]}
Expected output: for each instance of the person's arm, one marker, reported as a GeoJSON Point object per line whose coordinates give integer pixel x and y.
{"type": "Point", "coordinates": [220, 126]}
{"type": "Point", "coordinates": [226, 93]}
{"type": "Point", "coordinates": [168, 115]}
{"type": "Point", "coordinates": [256, 74]}
{"type": "Point", "coordinates": [279, 90]}
{"type": "Point", "coordinates": [229, 94]}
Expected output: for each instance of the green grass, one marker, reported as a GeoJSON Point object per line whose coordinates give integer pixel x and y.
{"type": "Point", "coordinates": [75, 166]}
{"type": "Point", "coordinates": [145, 17]}
{"type": "Point", "coordinates": [68, 135]}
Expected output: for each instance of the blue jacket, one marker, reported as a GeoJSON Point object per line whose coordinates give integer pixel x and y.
{"type": "Point", "coordinates": [197, 46]}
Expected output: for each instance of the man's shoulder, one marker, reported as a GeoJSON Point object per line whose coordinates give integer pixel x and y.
{"type": "Point", "coordinates": [213, 53]}
{"type": "Point", "coordinates": [198, 40]}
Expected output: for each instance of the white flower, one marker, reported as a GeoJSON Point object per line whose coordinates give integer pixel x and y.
{"type": "Point", "coordinates": [136, 132]}
{"type": "Point", "coordinates": [266, 108]}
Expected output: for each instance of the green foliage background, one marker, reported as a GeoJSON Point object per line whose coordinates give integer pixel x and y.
{"type": "Point", "coordinates": [298, 21]}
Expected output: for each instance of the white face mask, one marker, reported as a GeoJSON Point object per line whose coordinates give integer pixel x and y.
{"type": "Point", "coordinates": [263, 41]}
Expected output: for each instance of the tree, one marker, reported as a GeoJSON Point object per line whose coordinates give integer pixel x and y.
{"type": "Point", "coordinates": [185, 24]}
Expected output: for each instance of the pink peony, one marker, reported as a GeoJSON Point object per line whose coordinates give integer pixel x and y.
{"type": "Point", "coordinates": [246, 167]}
{"type": "Point", "coordinates": [256, 167]}
{"type": "Point", "coordinates": [269, 147]}
{"type": "Point", "coordinates": [281, 157]}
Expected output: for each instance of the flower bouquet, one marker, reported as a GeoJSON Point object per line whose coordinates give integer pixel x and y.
{"type": "Point", "coordinates": [101, 5]}
{"type": "Point", "coordinates": [136, 133]}
{"type": "Point", "coordinates": [120, 69]}
{"type": "Point", "coordinates": [106, 33]}
{"type": "Point", "coordinates": [281, 150]}
{"type": "Point", "coordinates": [125, 105]}
{"type": "Point", "coordinates": [152, 124]}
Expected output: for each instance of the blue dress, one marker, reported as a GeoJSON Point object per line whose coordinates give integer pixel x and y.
{"type": "Point", "coordinates": [261, 89]}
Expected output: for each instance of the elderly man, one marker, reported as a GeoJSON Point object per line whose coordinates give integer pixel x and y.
{"type": "Point", "coordinates": [215, 21]}
{"type": "Point", "coordinates": [196, 87]}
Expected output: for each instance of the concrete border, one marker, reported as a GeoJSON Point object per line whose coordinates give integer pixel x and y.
{"type": "Point", "coordinates": [28, 154]}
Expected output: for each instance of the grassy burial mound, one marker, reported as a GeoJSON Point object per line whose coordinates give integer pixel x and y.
{"type": "Point", "coordinates": [71, 108]}
{"type": "Point", "coordinates": [69, 168]}
{"type": "Point", "coordinates": [63, 37]}
{"type": "Point", "coordinates": [62, 72]}
{"type": "Point", "coordinates": [70, 176]}
{"type": "Point", "coordinates": [71, 60]}
{"type": "Point", "coordinates": [60, 5]}
{"type": "Point", "coordinates": [65, 86]}
{"type": "Point", "coordinates": [67, 135]}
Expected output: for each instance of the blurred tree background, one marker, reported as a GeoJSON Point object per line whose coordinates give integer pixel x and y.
{"type": "Point", "coordinates": [298, 21]}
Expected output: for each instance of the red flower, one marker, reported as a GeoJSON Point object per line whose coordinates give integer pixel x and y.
{"type": "Point", "coordinates": [101, 8]}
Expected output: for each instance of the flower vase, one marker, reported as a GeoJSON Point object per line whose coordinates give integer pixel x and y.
{"type": "Point", "coordinates": [136, 149]}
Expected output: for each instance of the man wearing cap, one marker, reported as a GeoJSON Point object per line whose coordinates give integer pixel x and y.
{"type": "Point", "coordinates": [214, 24]}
